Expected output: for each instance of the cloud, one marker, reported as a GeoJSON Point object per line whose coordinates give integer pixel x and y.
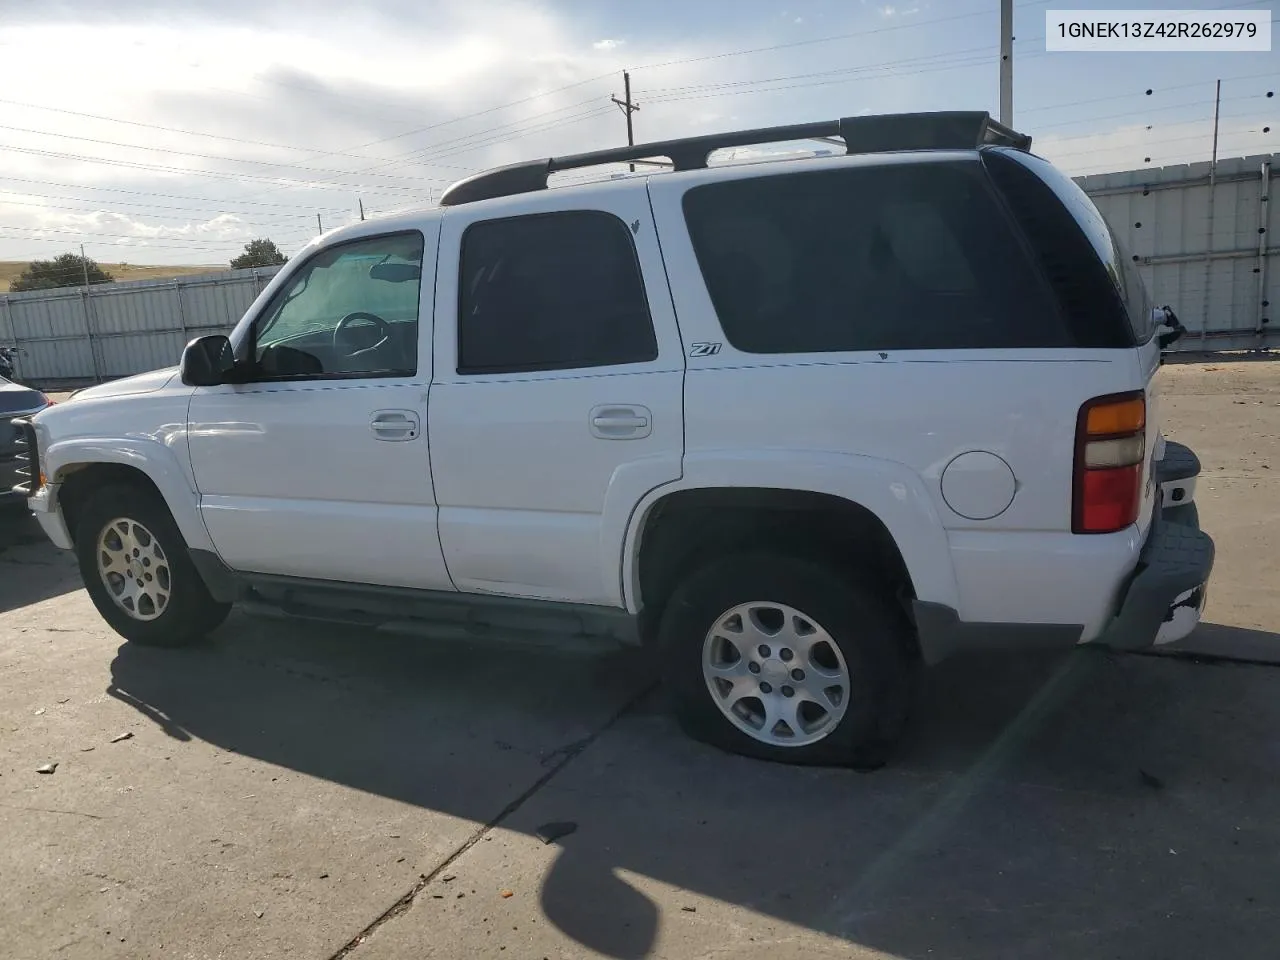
{"type": "Point", "coordinates": [388, 103]}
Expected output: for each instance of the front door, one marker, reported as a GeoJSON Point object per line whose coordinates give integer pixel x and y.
{"type": "Point", "coordinates": [318, 466]}
{"type": "Point", "coordinates": [557, 397]}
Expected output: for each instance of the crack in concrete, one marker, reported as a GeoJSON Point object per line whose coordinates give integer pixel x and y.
{"type": "Point", "coordinates": [566, 756]}
{"type": "Point", "coordinates": [1196, 656]}
{"type": "Point", "coordinates": [73, 813]}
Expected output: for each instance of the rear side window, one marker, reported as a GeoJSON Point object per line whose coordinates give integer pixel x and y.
{"type": "Point", "coordinates": [1095, 280]}
{"type": "Point", "coordinates": [895, 257]}
{"type": "Point", "coordinates": [554, 291]}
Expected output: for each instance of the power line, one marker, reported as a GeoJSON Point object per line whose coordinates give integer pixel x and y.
{"type": "Point", "coordinates": [488, 137]}
{"type": "Point", "coordinates": [834, 37]}
{"type": "Point", "coordinates": [1145, 145]}
{"type": "Point", "coordinates": [1145, 112]}
{"type": "Point", "coordinates": [732, 53]}
{"type": "Point", "coordinates": [167, 129]}
{"type": "Point", "coordinates": [427, 152]}
{"type": "Point", "coordinates": [958, 65]}
{"type": "Point", "coordinates": [149, 193]}
{"type": "Point", "coordinates": [97, 207]}
{"type": "Point", "coordinates": [469, 116]}
{"type": "Point", "coordinates": [1121, 96]}
{"type": "Point", "coordinates": [121, 236]}
{"type": "Point", "coordinates": [985, 50]}
{"type": "Point", "coordinates": [230, 245]}
{"type": "Point", "coordinates": [521, 134]}
{"type": "Point", "coordinates": [215, 174]}
{"type": "Point", "coordinates": [428, 160]}
{"type": "Point", "coordinates": [580, 83]}
{"type": "Point", "coordinates": [187, 153]}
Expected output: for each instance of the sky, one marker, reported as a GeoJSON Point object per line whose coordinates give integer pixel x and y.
{"type": "Point", "coordinates": [173, 131]}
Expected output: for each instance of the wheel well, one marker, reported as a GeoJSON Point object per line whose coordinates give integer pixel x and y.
{"type": "Point", "coordinates": [687, 528]}
{"type": "Point", "coordinates": [79, 481]}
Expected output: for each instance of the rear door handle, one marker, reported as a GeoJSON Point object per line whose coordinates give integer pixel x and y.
{"type": "Point", "coordinates": [395, 425]}
{"type": "Point", "coordinates": [621, 422]}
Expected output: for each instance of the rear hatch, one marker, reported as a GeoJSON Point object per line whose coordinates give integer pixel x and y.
{"type": "Point", "coordinates": [1103, 296]}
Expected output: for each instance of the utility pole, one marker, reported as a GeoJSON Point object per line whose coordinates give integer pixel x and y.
{"type": "Point", "coordinates": [1213, 194]}
{"type": "Point", "coordinates": [1006, 62]}
{"type": "Point", "coordinates": [88, 319]}
{"type": "Point", "coordinates": [360, 201]}
{"type": "Point", "coordinates": [628, 108]}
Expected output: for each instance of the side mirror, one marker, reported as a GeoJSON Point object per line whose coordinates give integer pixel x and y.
{"type": "Point", "coordinates": [207, 361]}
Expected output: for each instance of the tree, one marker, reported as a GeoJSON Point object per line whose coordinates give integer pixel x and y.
{"type": "Point", "coordinates": [67, 270]}
{"type": "Point", "coordinates": [259, 253]}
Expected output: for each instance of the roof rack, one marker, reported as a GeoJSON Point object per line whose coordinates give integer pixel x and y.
{"type": "Point", "coordinates": [943, 130]}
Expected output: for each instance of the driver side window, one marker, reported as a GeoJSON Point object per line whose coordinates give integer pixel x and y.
{"type": "Point", "coordinates": [350, 311]}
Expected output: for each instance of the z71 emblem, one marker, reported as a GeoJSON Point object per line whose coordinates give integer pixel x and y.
{"type": "Point", "coordinates": [704, 349]}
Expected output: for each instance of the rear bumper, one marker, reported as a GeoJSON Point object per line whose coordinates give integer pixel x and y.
{"type": "Point", "coordinates": [1160, 599]}
{"type": "Point", "coordinates": [1166, 594]}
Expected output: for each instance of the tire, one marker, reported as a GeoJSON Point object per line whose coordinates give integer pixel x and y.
{"type": "Point", "coordinates": [858, 634]}
{"type": "Point", "coordinates": [178, 616]}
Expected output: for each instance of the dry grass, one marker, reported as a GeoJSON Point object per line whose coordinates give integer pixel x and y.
{"type": "Point", "coordinates": [10, 270]}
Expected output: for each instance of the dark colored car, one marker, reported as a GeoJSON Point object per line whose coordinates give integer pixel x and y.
{"type": "Point", "coordinates": [15, 401]}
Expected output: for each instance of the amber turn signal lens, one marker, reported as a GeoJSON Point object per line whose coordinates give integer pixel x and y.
{"type": "Point", "coordinates": [1123, 416]}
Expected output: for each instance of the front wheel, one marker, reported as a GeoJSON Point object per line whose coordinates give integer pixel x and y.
{"type": "Point", "coordinates": [788, 659]}
{"type": "Point", "coordinates": [137, 570]}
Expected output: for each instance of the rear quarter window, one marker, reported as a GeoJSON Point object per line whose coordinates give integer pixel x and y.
{"type": "Point", "coordinates": [895, 257]}
{"type": "Point", "coordinates": [1094, 277]}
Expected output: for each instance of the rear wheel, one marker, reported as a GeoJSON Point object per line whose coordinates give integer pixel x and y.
{"type": "Point", "coordinates": [138, 573]}
{"type": "Point", "coordinates": [788, 659]}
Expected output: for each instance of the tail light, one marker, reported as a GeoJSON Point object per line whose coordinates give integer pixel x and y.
{"type": "Point", "coordinates": [1110, 448]}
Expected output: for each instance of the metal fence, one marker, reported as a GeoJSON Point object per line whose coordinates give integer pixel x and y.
{"type": "Point", "coordinates": [1210, 252]}
{"type": "Point", "coordinates": [75, 335]}
{"type": "Point", "coordinates": [1202, 239]}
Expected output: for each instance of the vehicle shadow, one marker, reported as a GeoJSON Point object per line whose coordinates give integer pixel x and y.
{"type": "Point", "coordinates": [1068, 806]}
{"type": "Point", "coordinates": [31, 568]}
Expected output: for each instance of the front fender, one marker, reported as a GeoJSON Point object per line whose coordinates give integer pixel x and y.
{"type": "Point", "coordinates": [158, 461]}
{"type": "Point", "coordinates": [891, 491]}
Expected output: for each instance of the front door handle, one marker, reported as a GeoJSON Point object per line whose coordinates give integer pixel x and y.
{"type": "Point", "coordinates": [395, 425]}
{"type": "Point", "coordinates": [614, 422]}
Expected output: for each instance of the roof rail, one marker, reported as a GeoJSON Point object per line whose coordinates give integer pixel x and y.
{"type": "Point", "coordinates": [943, 130]}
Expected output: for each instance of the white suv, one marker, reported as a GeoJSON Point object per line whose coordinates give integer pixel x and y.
{"type": "Point", "coordinates": [801, 425]}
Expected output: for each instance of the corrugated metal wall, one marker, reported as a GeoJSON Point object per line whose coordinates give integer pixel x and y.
{"type": "Point", "coordinates": [119, 329]}
{"type": "Point", "coordinates": [1208, 254]}
{"type": "Point", "coordinates": [1213, 260]}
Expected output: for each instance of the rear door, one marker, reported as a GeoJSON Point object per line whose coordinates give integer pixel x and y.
{"type": "Point", "coordinates": [556, 403]}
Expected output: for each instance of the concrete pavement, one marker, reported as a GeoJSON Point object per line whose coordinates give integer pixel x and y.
{"type": "Point", "coordinates": [307, 790]}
